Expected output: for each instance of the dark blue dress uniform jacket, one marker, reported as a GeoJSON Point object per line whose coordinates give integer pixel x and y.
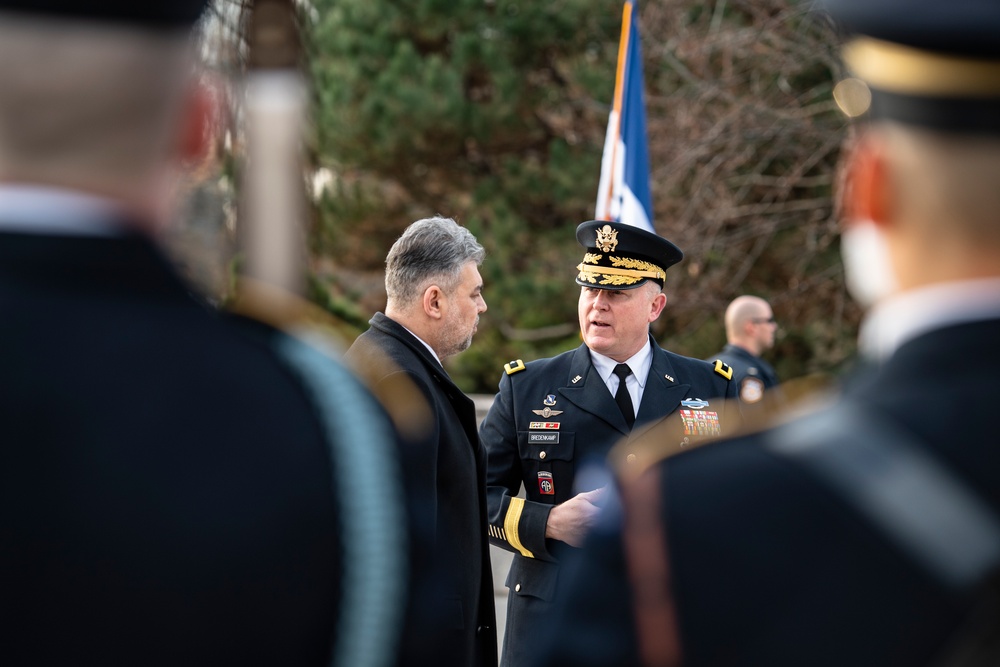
{"type": "Point", "coordinates": [525, 446]}
{"type": "Point", "coordinates": [771, 565]}
{"type": "Point", "coordinates": [746, 365]}
{"type": "Point", "coordinates": [167, 488]}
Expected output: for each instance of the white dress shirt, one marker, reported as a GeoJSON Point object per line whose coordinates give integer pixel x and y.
{"type": "Point", "coordinates": [33, 209]}
{"type": "Point", "coordinates": [639, 363]}
{"type": "Point", "coordinates": [429, 348]}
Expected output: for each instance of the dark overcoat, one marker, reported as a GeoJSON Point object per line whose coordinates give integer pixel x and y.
{"type": "Point", "coordinates": [548, 421]}
{"type": "Point", "coordinates": [446, 471]}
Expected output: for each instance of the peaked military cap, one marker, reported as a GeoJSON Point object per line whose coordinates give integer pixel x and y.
{"type": "Point", "coordinates": [621, 256]}
{"type": "Point", "coordinates": [150, 14]}
{"type": "Point", "coordinates": [934, 63]}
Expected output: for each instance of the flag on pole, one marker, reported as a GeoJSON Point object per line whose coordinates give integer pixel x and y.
{"type": "Point", "coordinates": [623, 193]}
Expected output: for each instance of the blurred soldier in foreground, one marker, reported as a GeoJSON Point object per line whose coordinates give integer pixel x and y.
{"type": "Point", "coordinates": [866, 533]}
{"type": "Point", "coordinates": [434, 302]}
{"type": "Point", "coordinates": [553, 417]}
{"type": "Point", "coordinates": [175, 489]}
{"type": "Point", "coordinates": [750, 328]}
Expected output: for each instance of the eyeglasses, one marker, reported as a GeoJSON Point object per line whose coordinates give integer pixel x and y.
{"type": "Point", "coordinates": [763, 320]}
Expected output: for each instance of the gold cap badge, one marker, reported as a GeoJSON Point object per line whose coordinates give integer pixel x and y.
{"type": "Point", "coordinates": [607, 238]}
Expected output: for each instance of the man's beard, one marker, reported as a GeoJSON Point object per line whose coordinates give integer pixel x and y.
{"type": "Point", "coordinates": [457, 340]}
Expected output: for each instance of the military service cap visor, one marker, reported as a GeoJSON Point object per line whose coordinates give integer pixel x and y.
{"type": "Point", "coordinates": [621, 257]}
{"type": "Point", "coordinates": [150, 14]}
{"type": "Point", "coordinates": [926, 62]}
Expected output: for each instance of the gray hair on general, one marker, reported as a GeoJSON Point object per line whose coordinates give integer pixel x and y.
{"type": "Point", "coordinates": [430, 250]}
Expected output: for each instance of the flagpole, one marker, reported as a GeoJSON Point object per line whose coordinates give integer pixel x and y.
{"type": "Point", "coordinates": [617, 106]}
{"type": "Point", "coordinates": [623, 191]}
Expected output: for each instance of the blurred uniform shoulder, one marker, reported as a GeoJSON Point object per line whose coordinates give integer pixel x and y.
{"type": "Point", "coordinates": [280, 312]}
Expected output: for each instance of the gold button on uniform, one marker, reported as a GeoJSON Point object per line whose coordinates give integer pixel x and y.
{"type": "Point", "coordinates": [542, 455]}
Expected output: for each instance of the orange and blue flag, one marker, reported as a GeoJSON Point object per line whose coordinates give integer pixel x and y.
{"type": "Point", "coordinates": [623, 193]}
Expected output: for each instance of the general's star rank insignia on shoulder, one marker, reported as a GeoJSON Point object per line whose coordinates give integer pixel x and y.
{"type": "Point", "coordinates": [514, 366]}
{"type": "Point", "coordinates": [723, 370]}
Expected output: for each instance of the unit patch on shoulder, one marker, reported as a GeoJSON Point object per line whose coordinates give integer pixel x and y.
{"type": "Point", "coordinates": [723, 370]}
{"type": "Point", "coordinates": [751, 390]}
{"type": "Point", "coordinates": [514, 366]}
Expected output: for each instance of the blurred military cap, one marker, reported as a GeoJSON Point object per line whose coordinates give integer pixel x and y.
{"type": "Point", "coordinates": [621, 256]}
{"type": "Point", "coordinates": [934, 63]}
{"type": "Point", "coordinates": [150, 14]}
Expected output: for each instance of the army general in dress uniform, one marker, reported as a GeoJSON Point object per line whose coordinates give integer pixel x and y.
{"type": "Point", "coordinates": [867, 533]}
{"type": "Point", "coordinates": [552, 416]}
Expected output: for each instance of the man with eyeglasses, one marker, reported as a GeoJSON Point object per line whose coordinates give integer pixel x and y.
{"type": "Point", "coordinates": [554, 420]}
{"type": "Point", "coordinates": [750, 328]}
{"type": "Point", "coordinates": [866, 533]}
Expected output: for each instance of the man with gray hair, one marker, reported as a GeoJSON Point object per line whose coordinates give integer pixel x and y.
{"type": "Point", "coordinates": [866, 532]}
{"type": "Point", "coordinates": [434, 299]}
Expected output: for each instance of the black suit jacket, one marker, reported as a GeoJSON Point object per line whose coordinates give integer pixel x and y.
{"type": "Point", "coordinates": [166, 488]}
{"type": "Point", "coordinates": [547, 422]}
{"type": "Point", "coordinates": [446, 471]}
{"type": "Point", "coordinates": [770, 564]}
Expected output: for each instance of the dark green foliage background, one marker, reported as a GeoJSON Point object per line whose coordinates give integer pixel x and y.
{"type": "Point", "coordinates": [494, 113]}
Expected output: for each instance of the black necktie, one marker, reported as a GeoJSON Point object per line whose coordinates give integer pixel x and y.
{"type": "Point", "coordinates": [622, 397]}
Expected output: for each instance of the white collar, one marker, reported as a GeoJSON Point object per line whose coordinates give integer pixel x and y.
{"type": "Point", "coordinates": [429, 348]}
{"type": "Point", "coordinates": [905, 316]}
{"type": "Point", "coordinates": [36, 209]}
{"type": "Point", "coordinates": [639, 362]}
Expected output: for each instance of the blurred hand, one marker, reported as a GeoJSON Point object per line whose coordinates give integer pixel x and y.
{"type": "Point", "coordinates": [570, 521]}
